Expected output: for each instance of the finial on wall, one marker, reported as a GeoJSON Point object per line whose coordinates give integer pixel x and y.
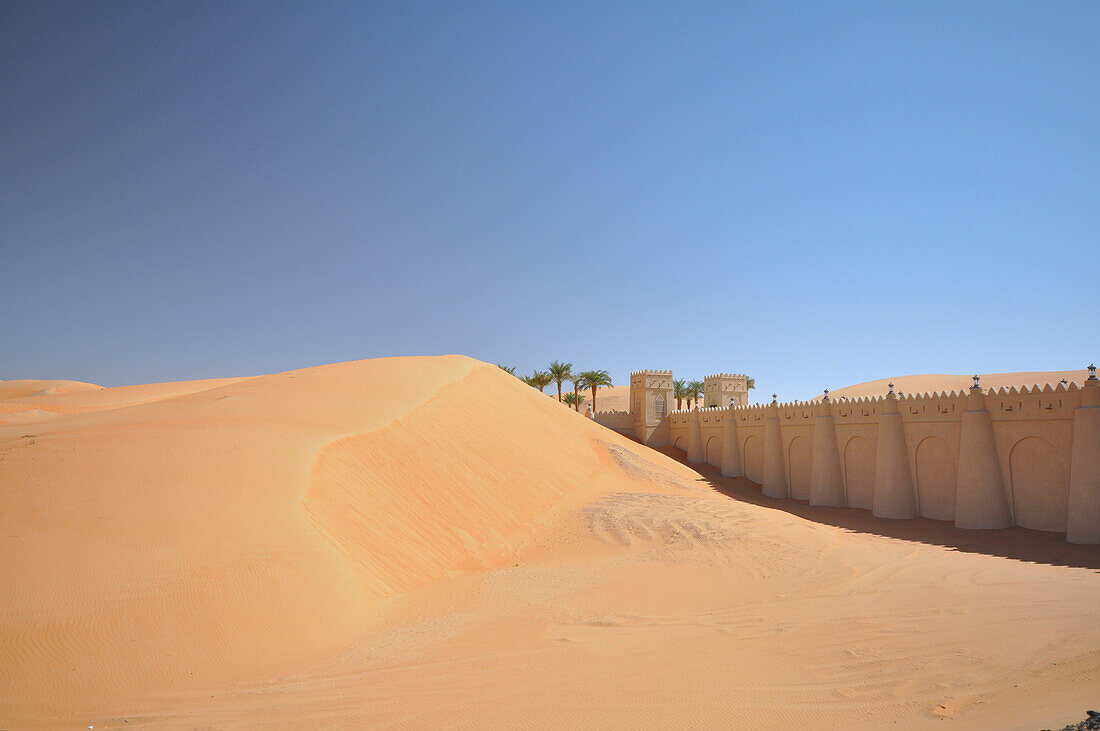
{"type": "Point", "coordinates": [891, 389]}
{"type": "Point", "coordinates": [1092, 372]}
{"type": "Point", "coordinates": [977, 382]}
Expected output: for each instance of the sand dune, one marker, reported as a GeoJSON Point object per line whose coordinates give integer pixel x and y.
{"type": "Point", "coordinates": [74, 397]}
{"type": "Point", "coordinates": [254, 521]}
{"type": "Point", "coordinates": [929, 382]}
{"type": "Point", "coordinates": [365, 544]}
{"type": "Point", "coordinates": [611, 398]}
{"type": "Point", "coordinates": [28, 388]}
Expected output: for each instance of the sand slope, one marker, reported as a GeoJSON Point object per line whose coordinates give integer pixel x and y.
{"type": "Point", "coordinates": [234, 531]}
{"type": "Point", "coordinates": [365, 544]}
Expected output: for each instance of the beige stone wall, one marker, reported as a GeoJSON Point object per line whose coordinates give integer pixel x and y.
{"type": "Point", "coordinates": [1023, 456]}
{"type": "Point", "coordinates": [619, 421]}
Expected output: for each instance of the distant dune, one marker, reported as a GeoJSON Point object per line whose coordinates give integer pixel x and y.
{"type": "Point", "coordinates": [24, 389]}
{"type": "Point", "coordinates": [945, 382]}
{"type": "Point", "coordinates": [366, 544]}
{"type": "Point", "coordinates": [49, 398]}
{"type": "Point", "coordinates": [610, 398]}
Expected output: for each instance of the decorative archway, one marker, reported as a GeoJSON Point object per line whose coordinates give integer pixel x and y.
{"type": "Point", "coordinates": [936, 479]}
{"type": "Point", "coordinates": [1040, 490]}
{"type": "Point", "coordinates": [754, 459]}
{"type": "Point", "coordinates": [714, 451]}
{"type": "Point", "coordinates": [859, 473]}
{"type": "Point", "coordinates": [799, 462]}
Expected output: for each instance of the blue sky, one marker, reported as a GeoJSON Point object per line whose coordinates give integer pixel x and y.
{"type": "Point", "coordinates": [814, 194]}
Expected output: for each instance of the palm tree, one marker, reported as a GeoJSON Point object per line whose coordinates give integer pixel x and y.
{"type": "Point", "coordinates": [507, 369]}
{"type": "Point", "coordinates": [593, 380]}
{"type": "Point", "coordinates": [695, 390]}
{"type": "Point", "coordinates": [750, 383]}
{"type": "Point", "coordinates": [573, 399]}
{"type": "Point", "coordinates": [540, 380]}
{"type": "Point", "coordinates": [680, 391]}
{"type": "Point", "coordinates": [578, 384]}
{"type": "Point", "coordinates": [560, 372]}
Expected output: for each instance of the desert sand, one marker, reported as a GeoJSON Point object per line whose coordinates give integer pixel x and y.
{"type": "Point", "coordinates": [935, 382]}
{"type": "Point", "coordinates": [608, 398]}
{"type": "Point", "coordinates": [365, 544]}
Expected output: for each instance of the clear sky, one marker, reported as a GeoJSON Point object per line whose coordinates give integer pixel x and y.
{"type": "Point", "coordinates": [814, 194]}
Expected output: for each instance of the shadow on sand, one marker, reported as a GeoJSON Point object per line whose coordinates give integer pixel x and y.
{"type": "Point", "coordinates": [1016, 543]}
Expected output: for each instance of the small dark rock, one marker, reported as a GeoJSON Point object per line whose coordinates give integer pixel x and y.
{"type": "Point", "coordinates": [1091, 723]}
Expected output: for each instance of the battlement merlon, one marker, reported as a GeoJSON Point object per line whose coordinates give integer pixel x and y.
{"type": "Point", "coordinates": [1004, 403]}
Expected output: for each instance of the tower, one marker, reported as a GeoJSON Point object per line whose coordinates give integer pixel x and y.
{"type": "Point", "coordinates": [826, 480]}
{"type": "Point", "coordinates": [980, 500]}
{"type": "Point", "coordinates": [650, 401]}
{"type": "Point", "coordinates": [721, 388]}
{"type": "Point", "coordinates": [893, 495]}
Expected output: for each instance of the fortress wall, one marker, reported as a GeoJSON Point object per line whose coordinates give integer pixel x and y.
{"type": "Point", "coordinates": [981, 459]}
{"type": "Point", "coordinates": [617, 420]}
{"type": "Point", "coordinates": [1033, 431]}
{"type": "Point", "coordinates": [858, 445]}
{"type": "Point", "coordinates": [796, 430]}
{"type": "Point", "coordinates": [713, 427]}
{"type": "Point", "coordinates": [750, 437]}
{"type": "Point", "coordinates": [678, 429]}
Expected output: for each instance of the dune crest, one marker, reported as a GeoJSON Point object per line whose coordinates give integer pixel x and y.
{"type": "Point", "coordinates": [233, 530]}
{"type": "Point", "coordinates": [450, 486]}
{"type": "Point", "coordinates": [25, 388]}
{"type": "Point", "coordinates": [33, 403]}
{"type": "Point", "coordinates": [430, 542]}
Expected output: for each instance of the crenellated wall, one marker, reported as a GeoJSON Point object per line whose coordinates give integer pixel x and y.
{"type": "Point", "coordinates": [620, 421]}
{"type": "Point", "coordinates": [1028, 457]}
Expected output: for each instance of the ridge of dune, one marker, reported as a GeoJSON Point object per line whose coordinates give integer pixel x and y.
{"type": "Point", "coordinates": [48, 403]}
{"type": "Point", "coordinates": [189, 509]}
{"type": "Point", "coordinates": [31, 387]}
{"type": "Point", "coordinates": [239, 531]}
{"type": "Point", "coordinates": [478, 482]}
